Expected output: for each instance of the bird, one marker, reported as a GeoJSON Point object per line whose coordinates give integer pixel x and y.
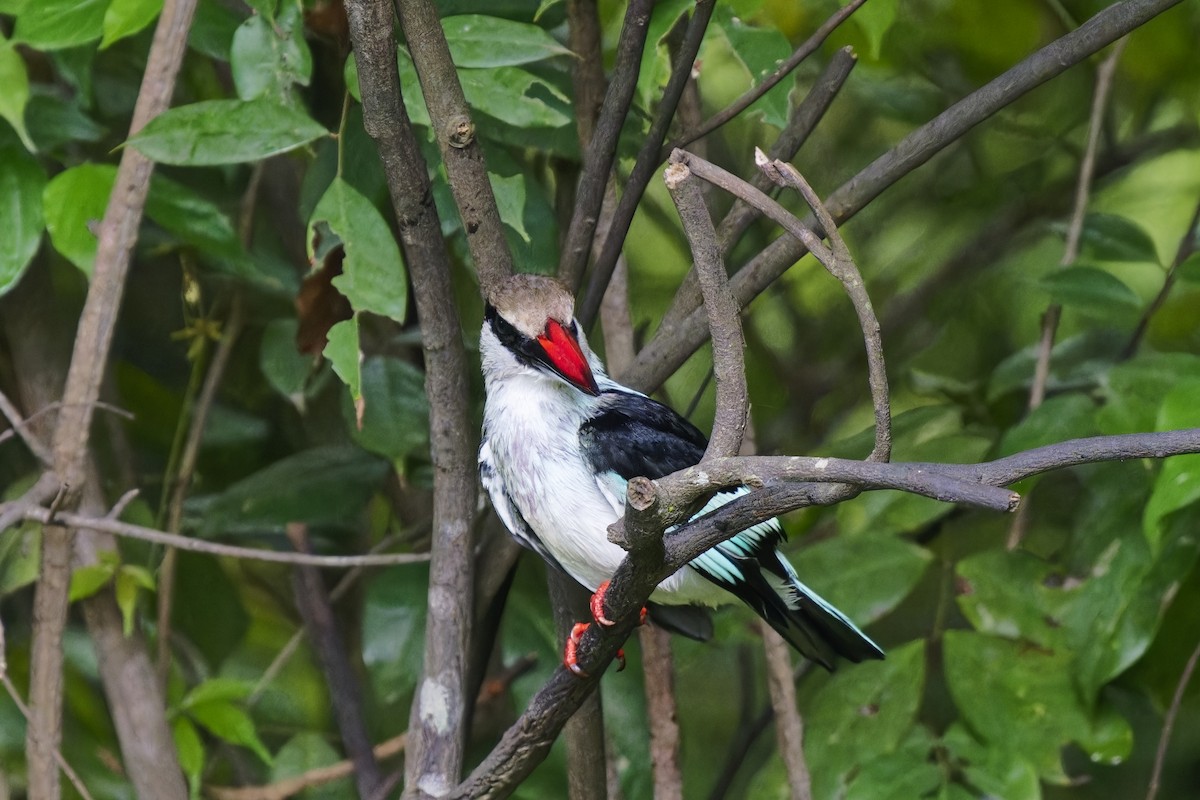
{"type": "Point", "coordinates": [561, 439]}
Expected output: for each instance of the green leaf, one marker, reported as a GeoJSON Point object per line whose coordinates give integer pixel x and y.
{"type": "Point", "coordinates": [230, 723]}
{"type": "Point", "coordinates": [268, 59]}
{"type": "Point", "coordinates": [1068, 416]}
{"type": "Point", "coordinates": [1189, 270]}
{"type": "Point", "coordinates": [216, 690]}
{"type": "Point", "coordinates": [1133, 391]}
{"type": "Point", "coordinates": [875, 19]}
{"type": "Point", "coordinates": [393, 631]}
{"type": "Point", "coordinates": [993, 772]}
{"type": "Point", "coordinates": [1007, 594]}
{"type": "Point", "coordinates": [908, 771]}
{"type": "Point", "coordinates": [1020, 699]}
{"type": "Point", "coordinates": [58, 24]}
{"type": "Point", "coordinates": [322, 486]}
{"type": "Point", "coordinates": [55, 121]}
{"type": "Point", "coordinates": [191, 751]}
{"type": "Point", "coordinates": [510, 198]}
{"type": "Point", "coordinates": [373, 276]}
{"type": "Point", "coordinates": [87, 581]}
{"type": "Point", "coordinates": [510, 94]}
{"type": "Point", "coordinates": [307, 751]}
{"type": "Point", "coordinates": [20, 545]}
{"type": "Point", "coordinates": [395, 419]}
{"type": "Point", "coordinates": [21, 185]}
{"type": "Point", "coordinates": [1108, 237]}
{"type": "Point", "coordinates": [73, 201]}
{"type": "Point", "coordinates": [1178, 483]}
{"type": "Point", "coordinates": [1093, 291]}
{"type": "Point", "coordinates": [344, 356]}
{"type": "Point", "coordinates": [198, 222]}
{"type": "Point", "coordinates": [215, 132]}
{"type": "Point", "coordinates": [761, 50]}
{"type": "Point", "coordinates": [482, 41]}
{"type": "Point", "coordinates": [15, 97]}
{"type": "Point", "coordinates": [128, 581]}
{"type": "Point", "coordinates": [866, 577]}
{"type": "Point", "coordinates": [863, 712]}
{"type": "Point", "coordinates": [285, 368]}
{"type": "Point", "coordinates": [126, 17]}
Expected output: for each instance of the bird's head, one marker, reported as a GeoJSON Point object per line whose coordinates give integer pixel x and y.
{"type": "Point", "coordinates": [530, 325]}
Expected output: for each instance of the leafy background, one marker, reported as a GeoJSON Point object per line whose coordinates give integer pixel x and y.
{"type": "Point", "coordinates": [1037, 672]}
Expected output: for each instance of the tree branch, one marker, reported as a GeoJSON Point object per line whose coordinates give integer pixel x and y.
{"type": "Point", "coordinates": [345, 691]}
{"type": "Point", "coordinates": [840, 264]}
{"type": "Point", "coordinates": [527, 742]}
{"type": "Point", "coordinates": [770, 82]}
{"type": "Point", "coordinates": [789, 728]}
{"type": "Point", "coordinates": [36, 513]}
{"type": "Point", "coordinates": [437, 724]}
{"type": "Point", "coordinates": [670, 347]}
{"type": "Point", "coordinates": [724, 320]}
{"type": "Point", "coordinates": [450, 118]}
{"type": "Point", "coordinates": [1160, 754]}
{"type": "Point", "coordinates": [648, 159]}
{"type": "Point", "coordinates": [117, 236]}
{"type": "Point", "coordinates": [602, 150]}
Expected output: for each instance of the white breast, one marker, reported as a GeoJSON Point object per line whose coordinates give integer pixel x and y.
{"type": "Point", "coordinates": [531, 426]}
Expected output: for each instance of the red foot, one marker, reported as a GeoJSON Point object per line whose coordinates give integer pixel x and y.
{"type": "Point", "coordinates": [597, 606]}
{"type": "Point", "coordinates": [571, 651]}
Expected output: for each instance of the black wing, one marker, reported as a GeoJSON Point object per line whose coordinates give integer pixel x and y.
{"type": "Point", "coordinates": [637, 436]}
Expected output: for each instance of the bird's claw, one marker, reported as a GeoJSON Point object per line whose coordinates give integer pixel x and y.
{"type": "Point", "coordinates": [597, 607]}
{"type": "Point", "coordinates": [571, 652]}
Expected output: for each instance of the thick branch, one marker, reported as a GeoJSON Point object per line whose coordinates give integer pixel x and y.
{"type": "Point", "coordinates": [437, 726]}
{"type": "Point", "coordinates": [527, 742]}
{"type": "Point", "coordinates": [671, 346]}
{"type": "Point", "coordinates": [117, 236]}
{"type": "Point", "coordinates": [602, 150]}
{"type": "Point", "coordinates": [724, 321]}
{"type": "Point", "coordinates": [456, 138]}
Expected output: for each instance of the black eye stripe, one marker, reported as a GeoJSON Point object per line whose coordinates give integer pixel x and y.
{"type": "Point", "coordinates": [526, 350]}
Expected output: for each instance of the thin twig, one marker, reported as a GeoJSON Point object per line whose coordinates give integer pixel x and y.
{"type": "Point", "coordinates": [789, 728]}
{"type": "Point", "coordinates": [794, 60]}
{"type": "Point", "coordinates": [1164, 739]}
{"type": "Point", "coordinates": [15, 696]}
{"type": "Point", "coordinates": [125, 529]}
{"type": "Point", "coordinates": [39, 450]}
{"type": "Point", "coordinates": [345, 691]}
{"type": "Point", "coordinates": [1187, 246]}
{"type": "Point", "coordinates": [648, 159]}
{"type": "Point", "coordinates": [795, 133]}
{"type": "Point", "coordinates": [289, 787]}
{"type": "Point", "coordinates": [602, 150]}
{"type": "Point", "coordinates": [293, 644]}
{"type": "Point", "coordinates": [187, 466]}
{"type": "Point", "coordinates": [1083, 191]}
{"type": "Point", "coordinates": [841, 265]}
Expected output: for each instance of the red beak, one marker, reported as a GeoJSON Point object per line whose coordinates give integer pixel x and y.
{"type": "Point", "coordinates": [566, 357]}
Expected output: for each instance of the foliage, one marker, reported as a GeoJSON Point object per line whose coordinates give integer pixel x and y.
{"type": "Point", "coordinates": [1011, 673]}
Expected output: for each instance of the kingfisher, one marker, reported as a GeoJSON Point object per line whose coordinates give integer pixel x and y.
{"type": "Point", "coordinates": [560, 442]}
